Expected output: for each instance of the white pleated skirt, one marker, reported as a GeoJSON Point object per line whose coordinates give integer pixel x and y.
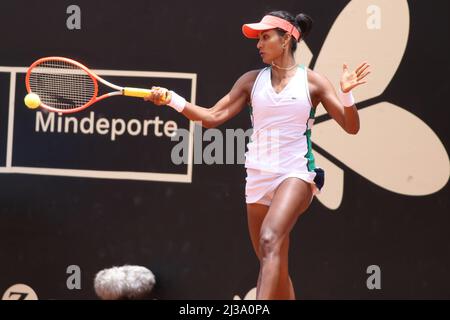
{"type": "Point", "coordinates": [261, 185]}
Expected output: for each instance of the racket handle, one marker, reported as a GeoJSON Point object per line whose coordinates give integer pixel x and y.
{"type": "Point", "coordinates": [136, 92]}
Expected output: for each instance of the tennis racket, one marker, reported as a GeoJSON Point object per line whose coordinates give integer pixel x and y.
{"type": "Point", "coordinates": [65, 85]}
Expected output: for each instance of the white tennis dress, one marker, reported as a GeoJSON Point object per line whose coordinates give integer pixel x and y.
{"type": "Point", "coordinates": [280, 145]}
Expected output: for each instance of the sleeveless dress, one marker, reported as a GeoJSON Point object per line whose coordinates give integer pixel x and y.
{"type": "Point", "coordinates": [280, 145]}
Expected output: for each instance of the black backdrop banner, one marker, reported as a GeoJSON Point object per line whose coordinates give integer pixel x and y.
{"type": "Point", "coordinates": [95, 200]}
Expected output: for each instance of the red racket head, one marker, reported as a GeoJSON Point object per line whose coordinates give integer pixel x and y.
{"type": "Point", "coordinates": [62, 84]}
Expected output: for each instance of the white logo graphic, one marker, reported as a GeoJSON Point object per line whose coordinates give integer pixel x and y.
{"type": "Point", "coordinates": [52, 123]}
{"type": "Point", "coordinates": [19, 292]}
{"type": "Point", "coordinates": [394, 149]}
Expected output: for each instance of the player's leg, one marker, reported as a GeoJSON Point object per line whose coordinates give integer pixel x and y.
{"type": "Point", "coordinates": [291, 199]}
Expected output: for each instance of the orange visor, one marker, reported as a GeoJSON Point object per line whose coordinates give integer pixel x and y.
{"type": "Point", "coordinates": [252, 30]}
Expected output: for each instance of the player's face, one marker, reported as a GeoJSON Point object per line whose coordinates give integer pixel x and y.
{"type": "Point", "coordinates": [269, 45]}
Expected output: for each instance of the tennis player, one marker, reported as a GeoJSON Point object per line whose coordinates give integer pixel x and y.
{"type": "Point", "coordinates": [282, 177]}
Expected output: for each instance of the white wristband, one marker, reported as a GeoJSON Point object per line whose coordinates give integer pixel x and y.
{"type": "Point", "coordinates": [177, 102]}
{"type": "Point", "coordinates": [347, 99]}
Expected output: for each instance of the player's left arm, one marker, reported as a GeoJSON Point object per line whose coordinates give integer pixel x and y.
{"type": "Point", "coordinates": [346, 116]}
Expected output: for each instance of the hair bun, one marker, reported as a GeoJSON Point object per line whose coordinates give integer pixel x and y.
{"type": "Point", "coordinates": [305, 23]}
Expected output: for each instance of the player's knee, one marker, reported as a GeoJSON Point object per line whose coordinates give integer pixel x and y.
{"type": "Point", "coordinates": [269, 242]}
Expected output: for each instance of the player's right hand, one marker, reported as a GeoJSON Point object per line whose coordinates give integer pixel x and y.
{"type": "Point", "coordinates": [159, 96]}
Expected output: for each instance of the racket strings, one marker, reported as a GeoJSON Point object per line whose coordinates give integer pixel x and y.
{"type": "Point", "coordinates": [62, 85]}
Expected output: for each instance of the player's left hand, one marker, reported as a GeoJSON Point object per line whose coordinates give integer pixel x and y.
{"type": "Point", "coordinates": [350, 80]}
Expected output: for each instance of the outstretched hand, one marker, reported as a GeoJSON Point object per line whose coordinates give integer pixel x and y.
{"type": "Point", "coordinates": [159, 96]}
{"type": "Point", "coordinates": [350, 80]}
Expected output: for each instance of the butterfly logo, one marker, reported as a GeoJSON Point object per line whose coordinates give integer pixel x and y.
{"type": "Point", "coordinates": [393, 147]}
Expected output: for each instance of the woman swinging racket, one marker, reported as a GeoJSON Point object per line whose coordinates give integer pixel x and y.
{"type": "Point", "coordinates": [281, 174]}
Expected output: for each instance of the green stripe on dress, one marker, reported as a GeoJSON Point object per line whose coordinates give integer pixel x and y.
{"type": "Point", "coordinates": [309, 155]}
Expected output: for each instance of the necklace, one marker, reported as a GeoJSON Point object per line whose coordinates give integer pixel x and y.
{"type": "Point", "coordinates": [281, 68]}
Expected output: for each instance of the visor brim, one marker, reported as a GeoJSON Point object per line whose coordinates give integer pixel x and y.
{"type": "Point", "coordinates": [252, 30]}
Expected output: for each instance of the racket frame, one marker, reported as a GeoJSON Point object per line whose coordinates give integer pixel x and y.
{"type": "Point", "coordinates": [127, 91]}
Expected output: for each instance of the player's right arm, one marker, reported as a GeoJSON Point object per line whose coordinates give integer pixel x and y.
{"type": "Point", "coordinates": [226, 108]}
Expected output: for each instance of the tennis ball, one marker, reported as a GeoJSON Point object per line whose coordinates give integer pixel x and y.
{"type": "Point", "coordinates": [32, 100]}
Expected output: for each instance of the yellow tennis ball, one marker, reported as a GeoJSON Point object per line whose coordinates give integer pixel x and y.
{"type": "Point", "coordinates": [32, 100]}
